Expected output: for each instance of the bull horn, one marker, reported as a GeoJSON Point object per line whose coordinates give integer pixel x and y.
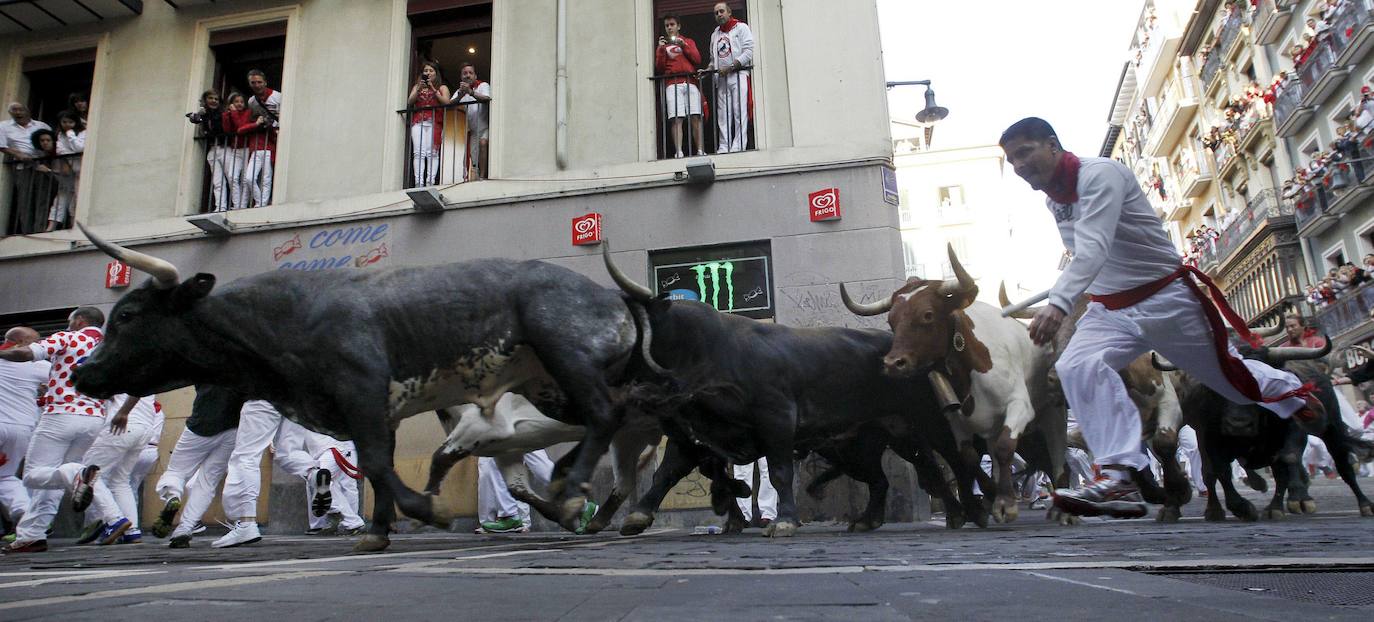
{"type": "Point", "coordinates": [1289, 353]}
{"type": "Point", "coordinates": [865, 309]}
{"type": "Point", "coordinates": [1268, 331]}
{"type": "Point", "coordinates": [963, 282]}
{"type": "Point", "coordinates": [1369, 354]}
{"type": "Point", "coordinates": [1020, 314]}
{"type": "Point", "coordinates": [163, 272]}
{"type": "Point", "coordinates": [626, 284]}
{"type": "Point", "coordinates": [1161, 363]}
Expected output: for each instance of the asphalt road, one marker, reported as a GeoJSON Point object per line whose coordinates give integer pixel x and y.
{"type": "Point", "coordinates": [1305, 567]}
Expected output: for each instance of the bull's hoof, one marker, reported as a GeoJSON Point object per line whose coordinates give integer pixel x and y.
{"type": "Point", "coordinates": [1056, 515]}
{"type": "Point", "coordinates": [1245, 511]}
{"type": "Point", "coordinates": [865, 525]}
{"type": "Point", "coordinates": [371, 543]}
{"type": "Point", "coordinates": [780, 529]}
{"type": "Point", "coordinates": [1214, 515]}
{"type": "Point", "coordinates": [954, 520]}
{"type": "Point", "coordinates": [1257, 482]}
{"type": "Point", "coordinates": [1309, 506]}
{"type": "Point", "coordinates": [1004, 510]}
{"type": "Point", "coordinates": [1294, 507]}
{"type": "Point", "coordinates": [1274, 513]}
{"type": "Point", "coordinates": [570, 513]}
{"type": "Point", "coordinates": [980, 518]}
{"type": "Point", "coordinates": [1169, 514]}
{"type": "Point", "coordinates": [734, 524]}
{"type": "Point", "coordinates": [635, 524]}
{"type": "Point", "coordinates": [1367, 510]}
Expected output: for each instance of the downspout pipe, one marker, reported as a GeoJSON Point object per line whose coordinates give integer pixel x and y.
{"type": "Point", "coordinates": [561, 90]}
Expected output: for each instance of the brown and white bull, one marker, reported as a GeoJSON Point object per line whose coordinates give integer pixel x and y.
{"type": "Point", "coordinates": [990, 366]}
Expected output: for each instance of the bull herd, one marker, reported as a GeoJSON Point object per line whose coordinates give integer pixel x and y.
{"type": "Point", "coordinates": [351, 354]}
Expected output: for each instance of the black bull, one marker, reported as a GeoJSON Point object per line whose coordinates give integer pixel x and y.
{"type": "Point", "coordinates": [351, 354]}
{"type": "Point", "coordinates": [761, 390]}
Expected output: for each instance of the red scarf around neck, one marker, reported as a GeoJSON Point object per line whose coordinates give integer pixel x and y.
{"type": "Point", "coordinates": [729, 25]}
{"type": "Point", "coordinates": [1063, 186]}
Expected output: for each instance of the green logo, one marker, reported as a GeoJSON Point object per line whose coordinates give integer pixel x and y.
{"type": "Point", "coordinates": [715, 267]}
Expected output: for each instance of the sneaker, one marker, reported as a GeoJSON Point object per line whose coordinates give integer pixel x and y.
{"type": "Point", "coordinates": [509, 524]}
{"type": "Point", "coordinates": [244, 532]}
{"type": "Point", "coordinates": [1311, 418]}
{"type": "Point", "coordinates": [132, 536]}
{"type": "Point", "coordinates": [113, 531]}
{"type": "Point", "coordinates": [319, 505]}
{"type": "Point", "coordinates": [1040, 503]}
{"type": "Point", "coordinates": [7, 538]}
{"type": "Point", "coordinates": [166, 519]}
{"type": "Point", "coordinates": [314, 531]}
{"type": "Point", "coordinates": [588, 512]}
{"type": "Point", "coordinates": [91, 532]}
{"type": "Point", "coordinates": [1115, 498]}
{"type": "Point", "coordinates": [25, 546]}
{"type": "Point", "coordinates": [352, 531]}
{"type": "Point", "coordinates": [179, 541]}
{"type": "Point", "coordinates": [83, 490]}
{"type": "Point", "coordinates": [198, 529]}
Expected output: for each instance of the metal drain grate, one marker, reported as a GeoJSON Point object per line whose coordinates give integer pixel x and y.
{"type": "Point", "coordinates": [1338, 588]}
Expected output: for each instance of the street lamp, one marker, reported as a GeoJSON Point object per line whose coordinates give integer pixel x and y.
{"type": "Point", "coordinates": [931, 113]}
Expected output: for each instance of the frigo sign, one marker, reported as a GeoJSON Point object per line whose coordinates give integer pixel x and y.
{"type": "Point", "coordinates": [343, 246]}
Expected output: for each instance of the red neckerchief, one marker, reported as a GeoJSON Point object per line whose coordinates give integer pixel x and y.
{"type": "Point", "coordinates": [7, 345]}
{"type": "Point", "coordinates": [729, 25]}
{"type": "Point", "coordinates": [1063, 188]}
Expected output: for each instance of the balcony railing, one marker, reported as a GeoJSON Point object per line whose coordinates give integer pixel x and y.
{"type": "Point", "coordinates": [1308, 207]}
{"type": "Point", "coordinates": [1287, 102]}
{"type": "Point", "coordinates": [1322, 59]}
{"type": "Point", "coordinates": [680, 103]}
{"type": "Point", "coordinates": [441, 148]}
{"type": "Point", "coordinates": [238, 169]}
{"type": "Point", "coordinates": [1262, 207]}
{"type": "Point", "coordinates": [1230, 29]}
{"type": "Point", "coordinates": [1347, 24]}
{"type": "Point", "coordinates": [41, 191]}
{"type": "Point", "coordinates": [1348, 312]}
{"type": "Point", "coordinates": [1270, 20]}
{"type": "Point", "coordinates": [1211, 67]}
{"type": "Point", "coordinates": [1223, 153]}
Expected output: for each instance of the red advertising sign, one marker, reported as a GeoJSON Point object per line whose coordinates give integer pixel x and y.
{"type": "Point", "coordinates": [117, 274]}
{"type": "Point", "coordinates": [586, 229]}
{"type": "Point", "coordinates": [824, 204]}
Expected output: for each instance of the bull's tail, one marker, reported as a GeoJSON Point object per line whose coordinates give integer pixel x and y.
{"type": "Point", "coordinates": [646, 333]}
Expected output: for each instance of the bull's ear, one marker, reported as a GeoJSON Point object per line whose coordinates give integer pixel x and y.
{"type": "Point", "coordinates": [193, 289]}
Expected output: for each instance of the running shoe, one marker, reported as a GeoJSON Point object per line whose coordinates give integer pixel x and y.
{"type": "Point", "coordinates": [83, 490]}
{"type": "Point", "coordinates": [319, 505]}
{"type": "Point", "coordinates": [1106, 496]}
{"type": "Point", "coordinates": [91, 532]}
{"type": "Point", "coordinates": [113, 531]}
{"type": "Point", "coordinates": [244, 532]}
{"type": "Point", "coordinates": [509, 524]}
{"type": "Point", "coordinates": [25, 546]}
{"type": "Point", "coordinates": [166, 519]}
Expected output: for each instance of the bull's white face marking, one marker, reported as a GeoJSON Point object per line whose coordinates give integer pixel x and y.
{"type": "Point", "coordinates": [479, 377]}
{"type": "Point", "coordinates": [907, 296]}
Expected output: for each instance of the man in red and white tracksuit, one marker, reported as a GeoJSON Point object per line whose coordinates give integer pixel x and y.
{"type": "Point", "coordinates": [1142, 299]}
{"type": "Point", "coordinates": [69, 424]}
{"type": "Point", "coordinates": [20, 386]}
{"type": "Point", "coordinates": [732, 56]}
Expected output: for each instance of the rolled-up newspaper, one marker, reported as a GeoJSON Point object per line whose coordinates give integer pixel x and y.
{"type": "Point", "coordinates": [1025, 304]}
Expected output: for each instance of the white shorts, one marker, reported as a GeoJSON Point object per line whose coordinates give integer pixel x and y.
{"type": "Point", "coordinates": [681, 99]}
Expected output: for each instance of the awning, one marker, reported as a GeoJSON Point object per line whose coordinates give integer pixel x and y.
{"type": "Point", "coordinates": [21, 16]}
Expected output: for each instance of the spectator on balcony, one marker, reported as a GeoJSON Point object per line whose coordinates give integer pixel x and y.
{"type": "Point", "coordinates": [235, 120]}
{"type": "Point", "coordinates": [79, 104]}
{"type": "Point", "coordinates": [427, 96]}
{"type": "Point", "coordinates": [218, 152]}
{"type": "Point", "coordinates": [675, 55]}
{"type": "Point", "coordinates": [1369, 263]}
{"type": "Point", "coordinates": [16, 143]}
{"type": "Point", "coordinates": [732, 58]}
{"type": "Point", "coordinates": [1298, 334]}
{"type": "Point", "coordinates": [475, 93]}
{"type": "Point", "coordinates": [71, 144]}
{"type": "Point", "coordinates": [266, 107]}
{"type": "Point", "coordinates": [60, 176]}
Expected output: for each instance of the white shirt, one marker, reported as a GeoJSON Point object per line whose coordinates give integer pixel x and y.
{"type": "Point", "coordinates": [1117, 241]}
{"type": "Point", "coordinates": [147, 412]}
{"type": "Point", "coordinates": [20, 386]}
{"type": "Point", "coordinates": [728, 47]}
{"type": "Point", "coordinates": [20, 138]}
{"type": "Point", "coordinates": [478, 117]}
{"type": "Point", "coordinates": [271, 104]}
{"type": "Point", "coordinates": [71, 142]}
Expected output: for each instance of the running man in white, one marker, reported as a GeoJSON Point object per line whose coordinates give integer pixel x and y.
{"type": "Point", "coordinates": [20, 386]}
{"type": "Point", "coordinates": [330, 468]}
{"type": "Point", "coordinates": [1143, 299]}
{"type": "Point", "coordinates": [66, 429]}
{"type": "Point", "coordinates": [131, 423]}
{"type": "Point", "coordinates": [497, 510]}
{"type": "Point", "coordinates": [767, 495]}
{"type": "Point", "coordinates": [198, 463]}
{"type": "Point", "coordinates": [259, 425]}
{"type": "Point", "coordinates": [732, 56]}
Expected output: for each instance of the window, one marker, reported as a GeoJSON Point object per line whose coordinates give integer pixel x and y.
{"type": "Point", "coordinates": [1334, 257]}
{"type": "Point", "coordinates": [951, 202]}
{"type": "Point", "coordinates": [239, 133]}
{"type": "Point", "coordinates": [907, 219]}
{"type": "Point", "coordinates": [447, 143]}
{"type": "Point", "coordinates": [913, 267]}
{"type": "Point", "coordinates": [680, 97]}
{"type": "Point", "coordinates": [57, 83]}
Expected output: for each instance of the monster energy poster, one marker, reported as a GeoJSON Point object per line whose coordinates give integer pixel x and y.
{"type": "Point", "coordinates": [733, 279]}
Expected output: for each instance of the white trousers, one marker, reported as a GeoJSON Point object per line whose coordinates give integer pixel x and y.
{"type": "Point", "coordinates": [1316, 454]}
{"type": "Point", "coordinates": [1188, 451]}
{"type": "Point", "coordinates": [147, 459]}
{"type": "Point", "coordinates": [51, 466]}
{"type": "Point", "coordinates": [218, 158]}
{"type": "Point", "coordinates": [344, 490]}
{"type": "Point", "coordinates": [1170, 322]}
{"type": "Point", "coordinates": [259, 424]}
{"type": "Point", "coordinates": [116, 455]}
{"type": "Point", "coordinates": [732, 111]}
{"type": "Point", "coordinates": [14, 497]}
{"type": "Point", "coordinates": [194, 471]}
{"type": "Point", "coordinates": [768, 496]}
{"type": "Point", "coordinates": [235, 164]}
{"type": "Point", "coordinates": [424, 154]}
{"type": "Point", "coordinates": [493, 499]}
{"type": "Point", "coordinates": [259, 177]}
